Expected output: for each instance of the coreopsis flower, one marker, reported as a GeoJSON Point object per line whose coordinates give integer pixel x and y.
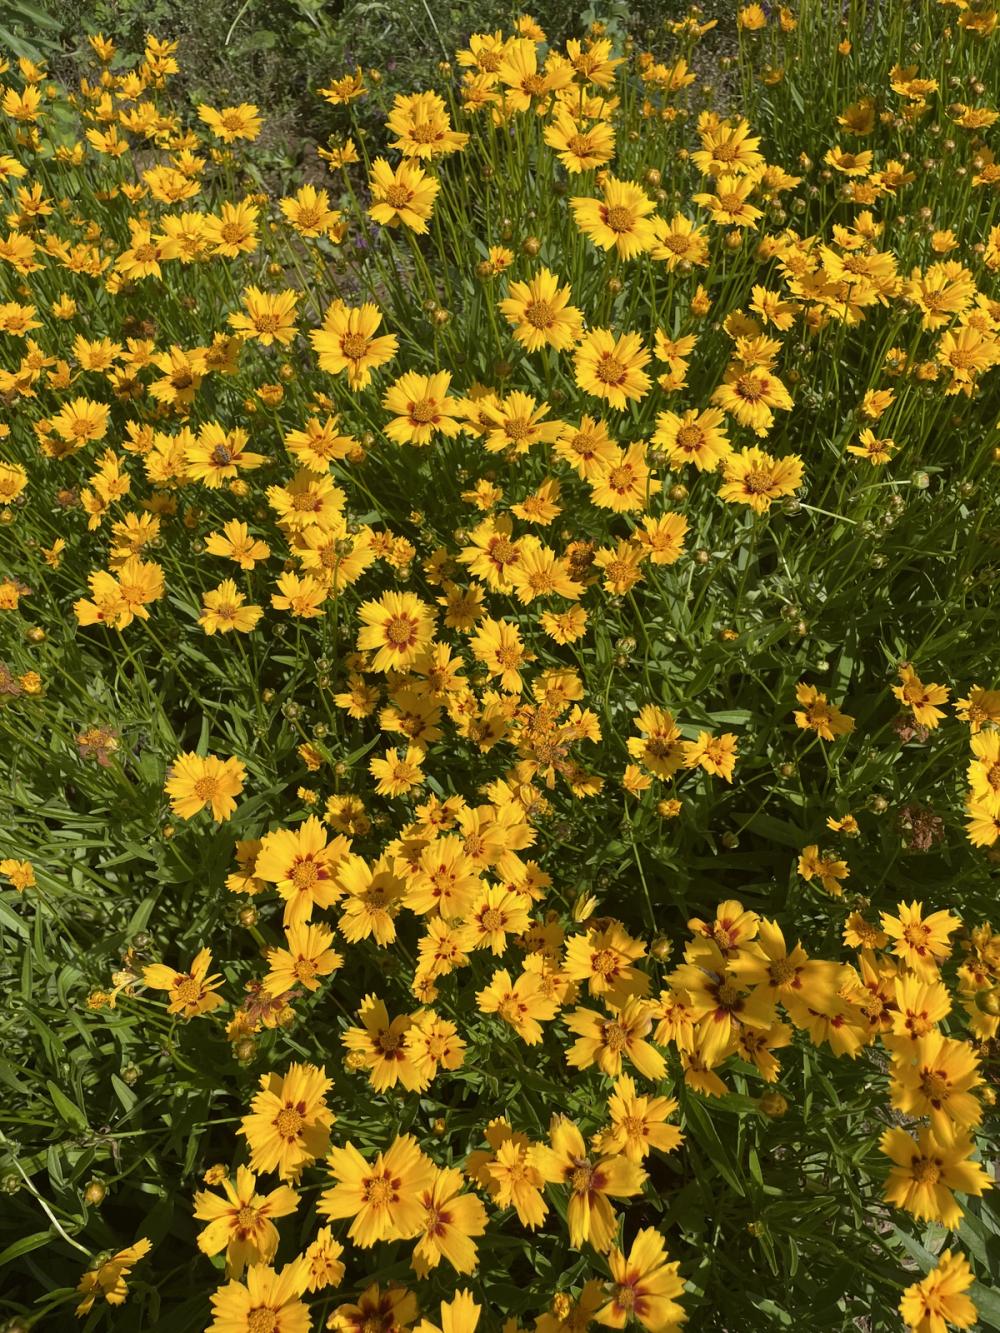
{"type": "Point", "coordinates": [658, 747]}
{"type": "Point", "coordinates": [81, 421]}
{"type": "Point", "coordinates": [715, 754]}
{"type": "Point", "coordinates": [449, 1222]}
{"type": "Point", "coordinates": [399, 627]}
{"type": "Point", "coordinates": [303, 867]}
{"type": "Point", "coordinates": [644, 1286]}
{"type": "Point", "coordinates": [872, 448]}
{"type": "Point", "coordinates": [661, 538]}
{"type": "Point", "coordinates": [922, 942]}
{"type": "Point", "coordinates": [234, 231]}
{"type": "Point", "coordinates": [984, 770]}
{"type": "Point", "coordinates": [382, 1197]}
{"type": "Point", "coordinates": [379, 1046]}
{"type": "Point", "coordinates": [980, 709]}
{"type": "Point", "coordinates": [422, 126]}
{"type": "Point", "coordinates": [983, 826]}
{"type": "Point", "coordinates": [20, 873]}
{"type": "Point", "coordinates": [693, 437]}
{"type": "Point", "coordinates": [345, 90]}
{"type": "Point", "coordinates": [194, 781]}
{"type": "Point", "coordinates": [818, 715]}
{"type": "Point", "coordinates": [459, 1315]}
{"type": "Point", "coordinates": [232, 122]}
{"type": "Point", "coordinates": [605, 1039]}
{"type": "Point", "coordinates": [754, 478]}
{"type": "Point", "coordinates": [108, 1279]}
{"type": "Point", "coordinates": [540, 312]}
{"type": "Point", "coordinates": [267, 1299]}
{"type": "Point", "coordinates": [515, 1180]}
{"type": "Point", "coordinates": [288, 1125]}
{"type": "Point", "coordinates": [308, 211]}
{"type": "Point", "coordinates": [620, 220]}
{"type": "Point", "coordinates": [938, 1302]}
{"type": "Point", "coordinates": [936, 1079]}
{"type": "Point", "coordinates": [405, 195]}
{"type": "Point", "coordinates": [421, 408]}
{"type": "Point", "coordinates": [191, 993]}
{"type": "Point", "coordinates": [926, 1170]}
{"type": "Point", "coordinates": [397, 773]}
{"type": "Point", "coordinates": [497, 644]}
{"type": "Point", "coordinates": [604, 958]}
{"type": "Point", "coordinates": [579, 149]}
{"type": "Point", "coordinates": [224, 610]}
{"type": "Point", "coordinates": [373, 897]}
{"type": "Point", "coordinates": [269, 316]}
{"type": "Point", "coordinates": [751, 394]}
{"type": "Point", "coordinates": [729, 205]}
{"type": "Point", "coordinates": [590, 1215]}
{"type": "Point", "coordinates": [523, 1004]}
{"type": "Point", "coordinates": [812, 864]}
{"type": "Point", "coordinates": [922, 700]}
{"type": "Point", "coordinates": [624, 484]}
{"type": "Point", "coordinates": [348, 341]}
{"type": "Point", "coordinates": [307, 956]}
{"type": "Point", "coordinates": [241, 1223]}
{"type": "Point", "coordinates": [638, 1124]}
{"type": "Point", "coordinates": [300, 596]}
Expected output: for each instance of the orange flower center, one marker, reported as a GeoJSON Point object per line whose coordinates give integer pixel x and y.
{"type": "Point", "coordinates": [609, 370]}
{"type": "Point", "coordinates": [304, 875]}
{"type": "Point", "coordinates": [492, 919]}
{"type": "Point", "coordinates": [758, 481]}
{"type": "Point", "coordinates": [399, 630]}
{"type": "Point", "coordinates": [397, 196]}
{"type": "Point", "coordinates": [378, 1191]}
{"type": "Point", "coordinates": [354, 346]}
{"type": "Point", "coordinates": [619, 218]}
{"type": "Point", "coordinates": [289, 1122]}
{"type": "Point", "coordinates": [925, 1170]}
{"type": "Point", "coordinates": [188, 991]}
{"type": "Point", "coordinates": [423, 411]}
{"type": "Point", "coordinates": [917, 934]}
{"type": "Point", "coordinates": [934, 1085]}
{"type": "Point", "coordinates": [262, 1320]}
{"type": "Point", "coordinates": [246, 1218]}
{"type": "Point", "coordinates": [690, 437]}
{"type": "Point", "coordinates": [539, 314]}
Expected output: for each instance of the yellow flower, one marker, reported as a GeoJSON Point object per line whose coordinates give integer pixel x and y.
{"type": "Point", "coordinates": [268, 1300]}
{"type": "Point", "coordinates": [619, 220]}
{"type": "Point", "coordinates": [422, 408]}
{"type": "Point", "coordinates": [302, 866]}
{"type": "Point", "coordinates": [382, 1197]}
{"type": "Point", "coordinates": [540, 313]}
{"type": "Point", "coordinates": [405, 195]}
{"type": "Point", "coordinates": [241, 1222]}
{"type": "Point", "coordinates": [715, 754]}
{"type": "Point", "coordinates": [194, 781]}
{"type": "Point", "coordinates": [308, 956]}
{"type": "Point", "coordinates": [108, 1280]}
{"type": "Point", "coordinates": [399, 626]}
{"type": "Point", "coordinates": [422, 126]}
{"type": "Point", "coordinates": [224, 610]}
{"type": "Point", "coordinates": [922, 942]}
{"type": "Point", "coordinates": [644, 1286]}
{"type": "Point", "coordinates": [232, 122]}
{"type": "Point", "coordinates": [288, 1126]}
{"type": "Point", "coordinates": [921, 699]}
{"type": "Point", "coordinates": [450, 1220]}
{"type": "Point", "coordinates": [754, 478]}
{"type": "Point", "coordinates": [938, 1301]}
{"type": "Point", "coordinates": [818, 715]}
{"type": "Point", "coordinates": [694, 437]}
{"type": "Point", "coordinates": [926, 1170]}
{"type": "Point", "coordinates": [612, 368]}
{"type": "Point", "coordinates": [497, 644]}
{"type": "Point", "coordinates": [638, 1123]}
{"type": "Point", "coordinates": [590, 1215]}
{"type": "Point", "coordinates": [579, 149]}
{"type": "Point", "coordinates": [268, 318]}
{"type": "Point", "coordinates": [347, 341]}
{"type": "Point", "coordinates": [191, 993]}
{"type": "Point", "coordinates": [309, 212]}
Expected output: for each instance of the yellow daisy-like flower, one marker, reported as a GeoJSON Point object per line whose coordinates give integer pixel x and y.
{"type": "Point", "coordinates": [194, 781]}
{"type": "Point", "coordinates": [540, 313]}
{"type": "Point", "coordinates": [348, 341]}
{"type": "Point", "coordinates": [405, 195]}
{"type": "Point", "coordinates": [269, 316]}
{"type": "Point", "coordinates": [399, 627]}
{"type": "Point", "coordinates": [612, 368]}
{"type": "Point", "coordinates": [938, 1302]}
{"type": "Point", "coordinates": [232, 122]}
{"type": "Point", "coordinates": [620, 220]}
{"type": "Point", "coordinates": [754, 478]}
{"type": "Point", "coordinates": [422, 408]}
